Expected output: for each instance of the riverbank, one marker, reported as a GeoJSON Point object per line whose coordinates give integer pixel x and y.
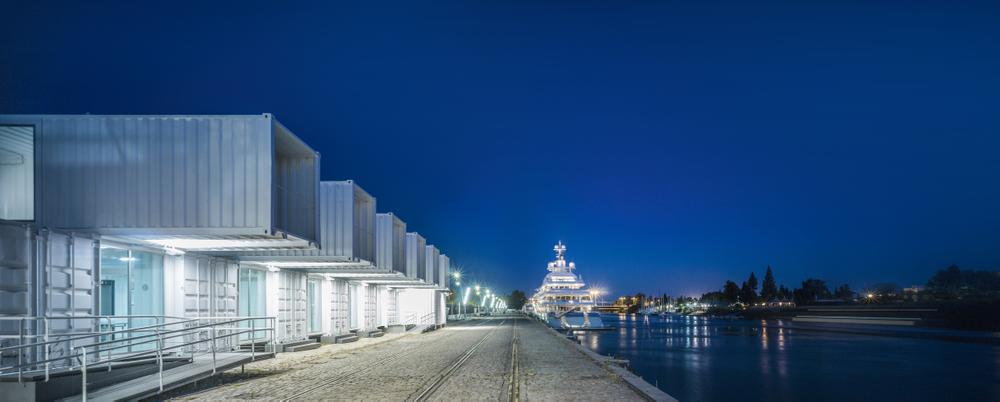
{"type": "Point", "coordinates": [506, 358]}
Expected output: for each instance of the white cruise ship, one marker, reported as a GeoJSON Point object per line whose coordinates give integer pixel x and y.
{"type": "Point", "coordinates": [564, 300]}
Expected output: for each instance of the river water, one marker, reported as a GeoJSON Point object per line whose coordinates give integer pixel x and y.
{"type": "Point", "coordinates": [712, 359]}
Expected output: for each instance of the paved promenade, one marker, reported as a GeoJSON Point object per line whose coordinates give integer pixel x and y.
{"type": "Point", "coordinates": [497, 358]}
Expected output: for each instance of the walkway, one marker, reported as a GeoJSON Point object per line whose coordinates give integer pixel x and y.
{"type": "Point", "coordinates": [469, 360]}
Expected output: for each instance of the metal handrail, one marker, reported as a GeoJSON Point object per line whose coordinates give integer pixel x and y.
{"type": "Point", "coordinates": [21, 336]}
{"type": "Point", "coordinates": [85, 335]}
{"type": "Point", "coordinates": [159, 334]}
{"type": "Point", "coordinates": [184, 331]}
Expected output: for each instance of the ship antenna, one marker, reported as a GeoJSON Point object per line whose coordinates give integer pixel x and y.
{"type": "Point", "coordinates": [560, 250]}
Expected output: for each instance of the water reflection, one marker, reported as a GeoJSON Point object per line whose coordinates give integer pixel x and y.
{"type": "Point", "coordinates": [698, 358]}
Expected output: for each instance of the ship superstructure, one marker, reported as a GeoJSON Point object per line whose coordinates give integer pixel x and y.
{"type": "Point", "coordinates": [564, 300]}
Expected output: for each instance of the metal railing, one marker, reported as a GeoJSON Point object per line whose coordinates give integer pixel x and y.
{"type": "Point", "coordinates": [41, 327]}
{"type": "Point", "coordinates": [101, 349]}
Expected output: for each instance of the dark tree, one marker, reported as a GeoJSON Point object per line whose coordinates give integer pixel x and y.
{"type": "Point", "coordinates": [752, 281]}
{"type": "Point", "coordinates": [784, 293]}
{"type": "Point", "coordinates": [954, 282]}
{"type": "Point", "coordinates": [713, 298]}
{"type": "Point", "coordinates": [812, 289]}
{"type": "Point", "coordinates": [946, 281]}
{"type": "Point", "coordinates": [731, 292]}
{"type": "Point", "coordinates": [747, 294]}
{"type": "Point", "coordinates": [516, 300]}
{"type": "Point", "coordinates": [768, 289]}
{"type": "Point", "coordinates": [844, 292]}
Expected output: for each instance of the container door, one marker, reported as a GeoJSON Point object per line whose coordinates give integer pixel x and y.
{"type": "Point", "coordinates": [15, 266]}
{"type": "Point", "coordinates": [292, 305]}
{"type": "Point", "coordinates": [70, 287]}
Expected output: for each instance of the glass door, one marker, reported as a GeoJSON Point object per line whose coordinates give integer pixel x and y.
{"type": "Point", "coordinates": [352, 306]}
{"type": "Point", "coordinates": [131, 286]}
{"type": "Point", "coordinates": [252, 303]}
{"type": "Point", "coordinates": [313, 302]}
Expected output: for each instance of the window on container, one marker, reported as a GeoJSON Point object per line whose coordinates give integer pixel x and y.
{"type": "Point", "coordinates": [17, 173]}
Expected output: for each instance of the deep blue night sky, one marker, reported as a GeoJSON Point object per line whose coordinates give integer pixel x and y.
{"type": "Point", "coordinates": [672, 145]}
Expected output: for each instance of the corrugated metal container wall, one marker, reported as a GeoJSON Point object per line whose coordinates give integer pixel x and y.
{"type": "Point", "coordinates": [347, 224]}
{"type": "Point", "coordinates": [371, 307]}
{"type": "Point", "coordinates": [443, 267]}
{"type": "Point", "coordinates": [16, 262]}
{"type": "Point", "coordinates": [17, 172]}
{"type": "Point", "coordinates": [219, 175]}
{"type": "Point", "coordinates": [210, 286]}
{"type": "Point", "coordinates": [49, 274]}
{"type": "Point", "coordinates": [296, 185]}
{"type": "Point", "coordinates": [339, 308]}
{"type": "Point", "coordinates": [348, 221]}
{"type": "Point", "coordinates": [392, 307]}
{"type": "Point", "coordinates": [291, 306]}
{"type": "Point", "coordinates": [430, 265]}
{"type": "Point", "coordinates": [69, 266]}
{"type": "Point", "coordinates": [415, 249]}
{"type": "Point", "coordinates": [390, 244]}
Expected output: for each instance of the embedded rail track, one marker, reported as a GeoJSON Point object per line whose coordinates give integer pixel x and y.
{"type": "Point", "coordinates": [444, 375]}
{"type": "Point", "coordinates": [514, 381]}
{"type": "Point", "coordinates": [360, 372]}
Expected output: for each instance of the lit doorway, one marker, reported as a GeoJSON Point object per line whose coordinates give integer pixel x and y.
{"type": "Point", "coordinates": [313, 303]}
{"type": "Point", "coordinates": [131, 290]}
{"type": "Point", "coordinates": [253, 300]}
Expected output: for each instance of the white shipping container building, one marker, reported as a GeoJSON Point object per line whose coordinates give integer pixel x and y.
{"type": "Point", "coordinates": [214, 230]}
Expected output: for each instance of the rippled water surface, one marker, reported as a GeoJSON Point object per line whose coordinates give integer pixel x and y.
{"type": "Point", "coordinates": [707, 359]}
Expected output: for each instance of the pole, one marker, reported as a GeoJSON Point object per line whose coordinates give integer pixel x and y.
{"type": "Point", "coordinates": [83, 374]}
{"type": "Point", "coordinates": [159, 356]}
{"type": "Point", "coordinates": [253, 346]}
{"type": "Point", "coordinates": [213, 348]}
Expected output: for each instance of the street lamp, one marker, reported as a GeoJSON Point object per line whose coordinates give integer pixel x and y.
{"type": "Point", "coordinates": [465, 300]}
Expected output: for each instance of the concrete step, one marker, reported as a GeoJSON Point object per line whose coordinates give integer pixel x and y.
{"type": "Point", "coordinates": [304, 346]}
{"type": "Point", "coordinates": [297, 346]}
{"type": "Point", "coordinates": [345, 338]}
{"type": "Point", "coordinates": [257, 346]}
{"type": "Point", "coordinates": [376, 333]}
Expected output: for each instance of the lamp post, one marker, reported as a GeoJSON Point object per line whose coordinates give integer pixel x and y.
{"type": "Point", "coordinates": [465, 300]}
{"type": "Point", "coordinates": [458, 286]}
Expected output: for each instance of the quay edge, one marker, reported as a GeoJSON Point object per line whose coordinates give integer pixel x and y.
{"type": "Point", "coordinates": [647, 390]}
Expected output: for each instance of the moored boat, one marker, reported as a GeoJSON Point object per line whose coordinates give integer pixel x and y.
{"type": "Point", "coordinates": [564, 301]}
